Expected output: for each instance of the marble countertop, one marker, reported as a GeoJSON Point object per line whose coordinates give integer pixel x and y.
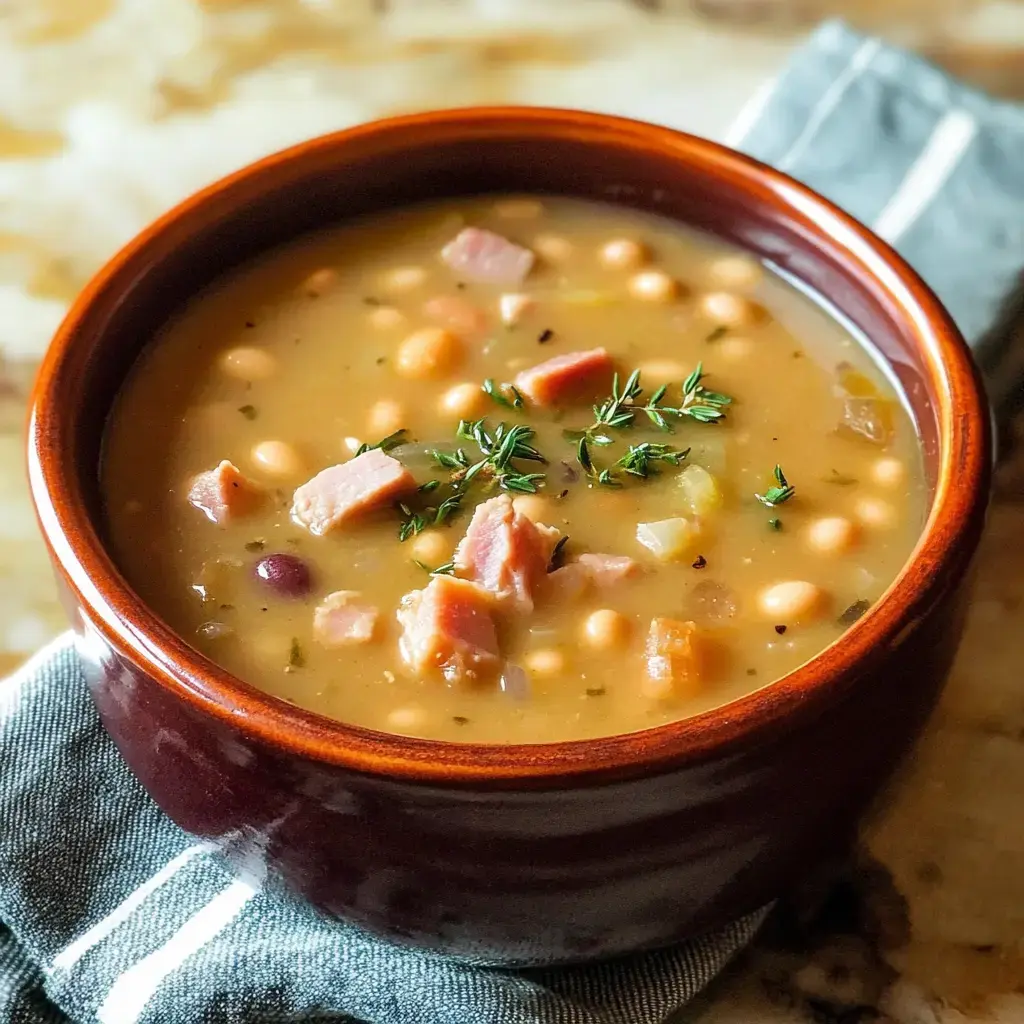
{"type": "Point", "coordinates": [111, 110]}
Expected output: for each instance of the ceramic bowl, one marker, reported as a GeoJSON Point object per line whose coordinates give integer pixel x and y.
{"type": "Point", "coordinates": [517, 854]}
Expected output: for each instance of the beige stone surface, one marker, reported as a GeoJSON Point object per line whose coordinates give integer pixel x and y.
{"type": "Point", "coordinates": [112, 110]}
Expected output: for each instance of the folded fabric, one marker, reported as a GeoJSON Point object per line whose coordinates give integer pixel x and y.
{"type": "Point", "coordinates": [109, 913]}
{"type": "Point", "coordinates": [931, 165]}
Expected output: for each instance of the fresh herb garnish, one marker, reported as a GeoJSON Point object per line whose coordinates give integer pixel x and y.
{"type": "Point", "coordinates": [501, 392]}
{"type": "Point", "coordinates": [781, 492]}
{"type": "Point", "coordinates": [296, 659]}
{"type": "Point", "coordinates": [696, 402]}
{"type": "Point", "coordinates": [641, 458]}
{"type": "Point", "coordinates": [853, 613]}
{"type": "Point", "coordinates": [385, 444]}
{"type": "Point", "coordinates": [430, 485]}
{"type": "Point", "coordinates": [501, 449]}
{"type": "Point", "coordinates": [416, 521]}
{"type": "Point", "coordinates": [600, 476]}
{"type": "Point", "coordinates": [558, 554]}
{"type": "Point", "coordinates": [248, 411]}
{"type": "Point", "coordinates": [442, 570]}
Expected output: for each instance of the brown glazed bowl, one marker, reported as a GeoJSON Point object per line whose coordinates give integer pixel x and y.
{"type": "Point", "coordinates": [517, 854]}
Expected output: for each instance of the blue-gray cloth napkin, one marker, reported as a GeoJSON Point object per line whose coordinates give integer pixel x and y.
{"type": "Point", "coordinates": [110, 913]}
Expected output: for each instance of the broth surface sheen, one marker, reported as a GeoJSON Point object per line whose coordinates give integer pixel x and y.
{"type": "Point", "coordinates": [285, 367]}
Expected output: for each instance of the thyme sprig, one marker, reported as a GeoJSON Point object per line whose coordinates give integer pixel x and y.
{"type": "Point", "coordinates": [696, 401]}
{"type": "Point", "coordinates": [507, 395]}
{"type": "Point", "coordinates": [781, 492]}
{"type": "Point", "coordinates": [640, 460]}
{"type": "Point", "coordinates": [385, 444]}
{"type": "Point", "coordinates": [501, 449]}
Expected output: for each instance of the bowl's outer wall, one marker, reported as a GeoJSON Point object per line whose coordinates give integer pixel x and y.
{"type": "Point", "coordinates": [538, 872]}
{"type": "Point", "coordinates": [533, 877]}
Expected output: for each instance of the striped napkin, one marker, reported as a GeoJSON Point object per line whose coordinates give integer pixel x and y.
{"type": "Point", "coordinates": [109, 913]}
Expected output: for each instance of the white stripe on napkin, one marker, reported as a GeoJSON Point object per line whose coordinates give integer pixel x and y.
{"type": "Point", "coordinates": [69, 956]}
{"type": "Point", "coordinates": [128, 996]}
{"type": "Point", "coordinates": [929, 172]}
{"type": "Point", "coordinates": [829, 100]}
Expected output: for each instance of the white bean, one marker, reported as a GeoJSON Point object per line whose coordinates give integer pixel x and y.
{"type": "Point", "coordinates": [735, 272]}
{"type": "Point", "coordinates": [728, 310]}
{"type": "Point", "coordinates": [661, 371]}
{"type": "Point", "coordinates": [428, 352]}
{"type": "Point", "coordinates": [653, 286]}
{"type": "Point", "coordinates": [832, 535]}
{"type": "Point", "coordinates": [605, 629]}
{"type": "Point", "coordinates": [535, 507]}
{"type": "Point", "coordinates": [319, 282]}
{"type": "Point", "coordinates": [248, 363]}
{"type": "Point", "coordinates": [463, 401]}
{"type": "Point", "coordinates": [889, 471]}
{"type": "Point", "coordinates": [277, 458]}
{"type": "Point", "coordinates": [386, 318]}
{"type": "Point", "coordinates": [431, 547]}
{"type": "Point", "coordinates": [552, 248]}
{"type": "Point", "coordinates": [623, 254]}
{"type": "Point", "coordinates": [733, 347]}
{"type": "Point", "coordinates": [407, 719]}
{"type": "Point", "coordinates": [403, 279]}
{"type": "Point", "coordinates": [792, 601]}
{"type": "Point", "coordinates": [547, 661]}
{"type": "Point", "coordinates": [385, 417]}
{"type": "Point", "coordinates": [876, 513]}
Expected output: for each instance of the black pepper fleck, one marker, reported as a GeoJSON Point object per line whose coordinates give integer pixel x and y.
{"type": "Point", "coordinates": [751, 671]}
{"type": "Point", "coordinates": [254, 545]}
{"type": "Point", "coordinates": [564, 493]}
{"type": "Point", "coordinates": [371, 300]}
{"type": "Point", "coordinates": [775, 523]}
{"type": "Point", "coordinates": [227, 607]}
{"type": "Point", "coordinates": [249, 324]}
{"type": "Point", "coordinates": [381, 360]}
{"type": "Point", "coordinates": [546, 335]}
{"type": "Point", "coordinates": [719, 332]}
{"type": "Point", "coordinates": [780, 630]}
{"type": "Point", "coordinates": [700, 562]}
{"type": "Point", "coordinates": [595, 691]}
{"type": "Point", "coordinates": [460, 720]}
{"type": "Point", "coordinates": [461, 285]}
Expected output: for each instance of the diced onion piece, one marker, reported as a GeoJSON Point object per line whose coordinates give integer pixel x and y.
{"type": "Point", "coordinates": [667, 539]}
{"type": "Point", "coordinates": [699, 492]}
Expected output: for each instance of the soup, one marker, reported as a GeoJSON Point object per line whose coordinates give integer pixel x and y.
{"type": "Point", "coordinates": [509, 470]}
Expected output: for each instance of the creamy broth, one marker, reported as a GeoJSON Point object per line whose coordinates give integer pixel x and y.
{"type": "Point", "coordinates": [720, 579]}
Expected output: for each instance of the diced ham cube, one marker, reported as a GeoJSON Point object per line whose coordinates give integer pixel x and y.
{"type": "Point", "coordinates": [340, 492]}
{"type": "Point", "coordinates": [566, 377]}
{"type": "Point", "coordinates": [457, 314]}
{"type": "Point", "coordinates": [341, 619]}
{"type": "Point", "coordinates": [675, 659]}
{"type": "Point", "coordinates": [448, 628]}
{"type": "Point", "coordinates": [568, 584]}
{"type": "Point", "coordinates": [223, 493]}
{"type": "Point", "coordinates": [513, 307]}
{"type": "Point", "coordinates": [505, 552]}
{"type": "Point", "coordinates": [608, 570]}
{"type": "Point", "coordinates": [483, 256]}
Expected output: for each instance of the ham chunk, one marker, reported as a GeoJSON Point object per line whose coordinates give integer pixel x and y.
{"type": "Point", "coordinates": [340, 492]}
{"type": "Point", "coordinates": [457, 314]}
{"type": "Point", "coordinates": [341, 619]}
{"type": "Point", "coordinates": [590, 570]}
{"type": "Point", "coordinates": [223, 493]}
{"type": "Point", "coordinates": [566, 377]}
{"type": "Point", "coordinates": [448, 628]}
{"type": "Point", "coordinates": [675, 659]}
{"type": "Point", "coordinates": [608, 570]}
{"type": "Point", "coordinates": [505, 552]}
{"type": "Point", "coordinates": [483, 256]}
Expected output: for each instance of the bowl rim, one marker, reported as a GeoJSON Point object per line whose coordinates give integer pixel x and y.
{"type": "Point", "coordinates": [131, 629]}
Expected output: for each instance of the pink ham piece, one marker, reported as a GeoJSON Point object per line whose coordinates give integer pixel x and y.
{"type": "Point", "coordinates": [448, 628]}
{"type": "Point", "coordinates": [457, 314]}
{"type": "Point", "coordinates": [223, 493]}
{"type": "Point", "coordinates": [566, 377]}
{"type": "Point", "coordinates": [608, 570]}
{"type": "Point", "coordinates": [340, 492]}
{"type": "Point", "coordinates": [487, 258]}
{"type": "Point", "coordinates": [341, 620]}
{"type": "Point", "coordinates": [505, 552]}
{"type": "Point", "coordinates": [590, 570]}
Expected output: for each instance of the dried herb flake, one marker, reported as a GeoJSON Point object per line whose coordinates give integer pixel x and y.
{"type": "Point", "coordinates": [249, 411]}
{"type": "Point", "coordinates": [853, 613]}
